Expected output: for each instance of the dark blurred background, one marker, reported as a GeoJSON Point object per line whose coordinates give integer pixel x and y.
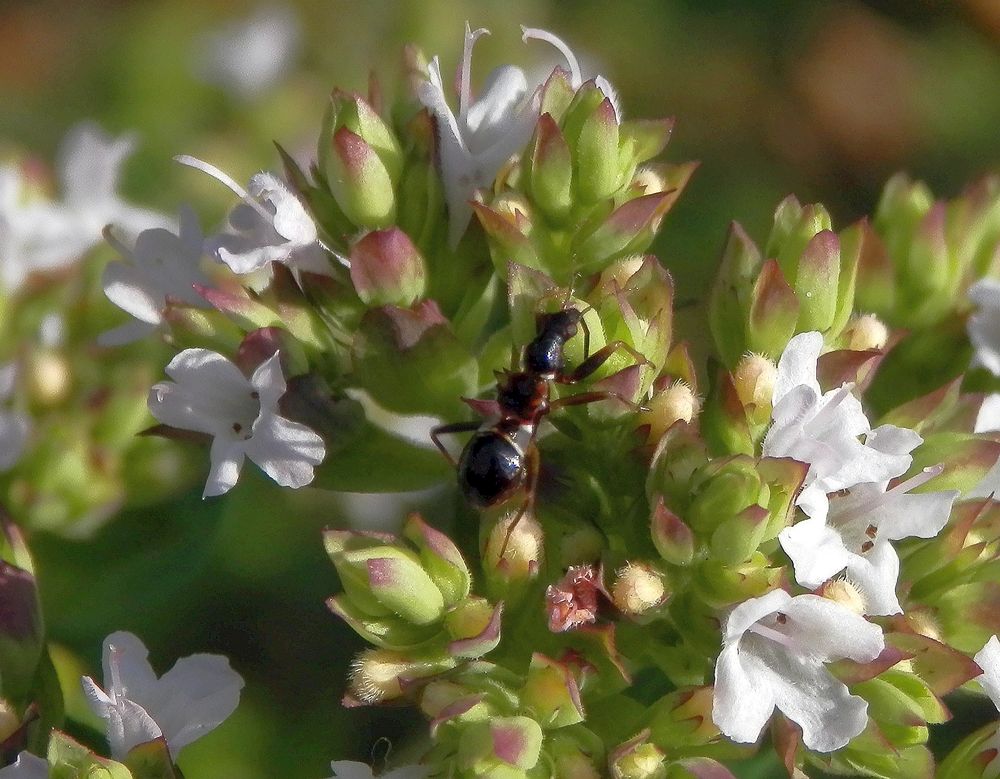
{"type": "Point", "coordinates": [823, 98]}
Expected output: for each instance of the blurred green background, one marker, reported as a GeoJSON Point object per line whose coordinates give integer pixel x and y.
{"type": "Point", "coordinates": [822, 98]}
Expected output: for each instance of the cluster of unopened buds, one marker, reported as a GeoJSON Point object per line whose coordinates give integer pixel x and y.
{"type": "Point", "coordinates": [662, 573]}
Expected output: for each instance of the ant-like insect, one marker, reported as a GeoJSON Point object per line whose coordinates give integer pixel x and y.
{"type": "Point", "coordinates": [502, 457]}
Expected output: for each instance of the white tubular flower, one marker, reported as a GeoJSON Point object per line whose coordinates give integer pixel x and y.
{"type": "Point", "coordinates": [575, 73]}
{"type": "Point", "coordinates": [773, 654]}
{"type": "Point", "coordinates": [188, 701]}
{"type": "Point", "coordinates": [15, 427]}
{"type": "Point", "coordinates": [856, 533]}
{"type": "Point", "coordinates": [475, 144]}
{"type": "Point", "coordinates": [250, 56]}
{"type": "Point", "coordinates": [270, 225]}
{"type": "Point", "coordinates": [824, 430]}
{"type": "Point", "coordinates": [349, 769]}
{"type": "Point", "coordinates": [27, 766]}
{"type": "Point", "coordinates": [210, 395]}
{"type": "Point", "coordinates": [984, 325]}
{"type": "Point", "coordinates": [161, 264]}
{"type": "Point", "coordinates": [988, 421]}
{"type": "Point", "coordinates": [988, 658]}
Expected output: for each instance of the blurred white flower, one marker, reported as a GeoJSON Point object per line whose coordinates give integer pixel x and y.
{"type": "Point", "coordinates": [984, 324]}
{"type": "Point", "coordinates": [188, 701]}
{"type": "Point", "coordinates": [41, 235]}
{"type": "Point", "coordinates": [774, 652]}
{"type": "Point", "coordinates": [161, 264]}
{"type": "Point", "coordinates": [988, 421]}
{"type": "Point", "coordinates": [15, 427]}
{"type": "Point", "coordinates": [250, 56]}
{"type": "Point", "coordinates": [210, 395]}
{"type": "Point", "coordinates": [473, 145]}
{"type": "Point", "coordinates": [270, 225]}
{"type": "Point", "coordinates": [349, 769]}
{"type": "Point", "coordinates": [27, 766]}
{"type": "Point", "coordinates": [988, 658]}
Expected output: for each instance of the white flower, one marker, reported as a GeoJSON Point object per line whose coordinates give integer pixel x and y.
{"type": "Point", "coordinates": [270, 225]}
{"type": "Point", "coordinates": [984, 325]}
{"type": "Point", "coordinates": [475, 144]}
{"type": "Point", "coordinates": [27, 766]}
{"type": "Point", "coordinates": [209, 394]}
{"type": "Point", "coordinates": [856, 533]}
{"type": "Point", "coordinates": [988, 658]}
{"type": "Point", "coordinates": [250, 56]}
{"type": "Point", "coordinates": [188, 701]}
{"type": "Point", "coordinates": [161, 264]}
{"type": "Point", "coordinates": [38, 235]}
{"type": "Point", "coordinates": [773, 654]}
{"type": "Point", "coordinates": [349, 769]}
{"type": "Point", "coordinates": [15, 427]}
{"type": "Point", "coordinates": [824, 430]}
{"type": "Point", "coordinates": [575, 74]}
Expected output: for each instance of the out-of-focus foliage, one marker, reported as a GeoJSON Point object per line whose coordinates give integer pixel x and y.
{"type": "Point", "coordinates": [824, 99]}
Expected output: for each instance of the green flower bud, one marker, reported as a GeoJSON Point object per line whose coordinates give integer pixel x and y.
{"type": "Point", "coordinates": [727, 488]}
{"type": "Point", "coordinates": [69, 759]}
{"type": "Point", "coordinates": [386, 580]}
{"type": "Point", "coordinates": [638, 759]}
{"type": "Point", "coordinates": [361, 119]}
{"type": "Point", "coordinates": [551, 173]}
{"type": "Point", "coordinates": [474, 626]}
{"type": "Point", "coordinates": [683, 718]}
{"type": "Point", "coordinates": [971, 758]}
{"type": "Point", "coordinates": [729, 301]}
{"type": "Point", "coordinates": [774, 312]}
{"type": "Point", "coordinates": [902, 705]}
{"type": "Point", "coordinates": [571, 761]}
{"type": "Point", "coordinates": [597, 168]}
{"type": "Point", "coordinates": [794, 228]}
{"type": "Point", "coordinates": [192, 327]}
{"type": "Point", "coordinates": [410, 362]}
{"type": "Point", "coordinates": [440, 558]}
{"type": "Point", "coordinates": [551, 694]}
{"type": "Point", "coordinates": [735, 539]}
{"type": "Point", "coordinates": [672, 538]}
{"type": "Point", "coordinates": [501, 746]}
{"type": "Point", "coordinates": [629, 229]}
{"type": "Point", "coordinates": [360, 182]}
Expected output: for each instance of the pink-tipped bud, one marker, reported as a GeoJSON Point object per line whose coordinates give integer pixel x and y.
{"type": "Point", "coordinates": [638, 588]}
{"type": "Point", "coordinates": [673, 539]}
{"type": "Point", "coordinates": [867, 332]}
{"type": "Point", "coordinates": [387, 269]}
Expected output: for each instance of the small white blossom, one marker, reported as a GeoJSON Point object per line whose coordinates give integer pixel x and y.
{"type": "Point", "coordinates": [15, 427]}
{"type": "Point", "coordinates": [575, 73]}
{"type": "Point", "coordinates": [40, 235]}
{"type": "Point", "coordinates": [188, 701]}
{"type": "Point", "coordinates": [210, 395]}
{"type": "Point", "coordinates": [27, 766]}
{"type": "Point", "coordinates": [988, 658]}
{"type": "Point", "coordinates": [825, 430]}
{"type": "Point", "coordinates": [161, 264]}
{"type": "Point", "coordinates": [349, 769]}
{"type": "Point", "coordinates": [250, 56]}
{"type": "Point", "coordinates": [855, 535]}
{"type": "Point", "coordinates": [774, 652]}
{"type": "Point", "coordinates": [473, 145]}
{"type": "Point", "coordinates": [984, 325]}
{"type": "Point", "coordinates": [270, 225]}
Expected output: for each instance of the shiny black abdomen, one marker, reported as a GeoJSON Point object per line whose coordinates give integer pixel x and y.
{"type": "Point", "coordinates": [490, 469]}
{"type": "Point", "coordinates": [545, 354]}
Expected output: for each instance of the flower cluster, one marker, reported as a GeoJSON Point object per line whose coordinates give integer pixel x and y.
{"type": "Point", "coordinates": [807, 546]}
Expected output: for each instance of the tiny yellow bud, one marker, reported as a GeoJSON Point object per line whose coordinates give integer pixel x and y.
{"type": "Point", "coordinates": [754, 379]}
{"type": "Point", "coordinates": [469, 618]}
{"type": "Point", "coordinates": [9, 721]}
{"type": "Point", "coordinates": [374, 675]}
{"type": "Point", "coordinates": [637, 588]}
{"type": "Point", "coordinates": [575, 765]}
{"type": "Point", "coordinates": [676, 403]}
{"type": "Point", "coordinates": [49, 378]}
{"type": "Point", "coordinates": [513, 207]}
{"type": "Point", "coordinates": [845, 593]}
{"type": "Point", "coordinates": [868, 332]}
{"type": "Point", "coordinates": [644, 762]}
{"type": "Point", "coordinates": [923, 622]}
{"type": "Point", "coordinates": [650, 180]}
{"type": "Point", "coordinates": [521, 542]}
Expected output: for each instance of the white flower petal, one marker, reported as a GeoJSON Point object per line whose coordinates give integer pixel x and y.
{"type": "Point", "coordinates": [832, 631]}
{"type": "Point", "coordinates": [984, 325]}
{"type": "Point", "coordinates": [797, 365]}
{"type": "Point", "coordinates": [15, 428]}
{"type": "Point", "coordinates": [742, 702]}
{"type": "Point", "coordinates": [194, 697]}
{"type": "Point", "coordinates": [988, 658]}
{"type": "Point", "coordinates": [129, 289]}
{"type": "Point", "coordinates": [124, 654]}
{"type": "Point", "coordinates": [130, 332]}
{"type": "Point", "coordinates": [350, 769]}
{"type": "Point", "coordinates": [988, 418]}
{"type": "Point", "coordinates": [817, 552]}
{"type": "Point", "coordinates": [27, 766]}
{"type": "Point", "coordinates": [876, 573]}
{"type": "Point", "coordinates": [285, 450]}
{"type": "Point", "coordinates": [128, 723]}
{"type": "Point", "coordinates": [269, 382]}
{"type": "Point", "coordinates": [753, 610]}
{"type": "Point", "coordinates": [919, 514]}
{"type": "Point", "coordinates": [227, 461]}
